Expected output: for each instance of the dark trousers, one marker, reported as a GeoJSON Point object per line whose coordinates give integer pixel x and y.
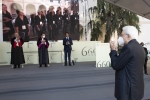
{"type": "Point", "coordinates": [145, 66]}
{"type": "Point", "coordinates": [67, 53]}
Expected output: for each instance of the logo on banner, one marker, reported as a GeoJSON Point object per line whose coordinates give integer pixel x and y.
{"type": "Point", "coordinates": [52, 56]}
{"type": "Point", "coordinates": [29, 58]}
{"type": "Point", "coordinates": [103, 64]}
{"type": "Point", "coordinates": [88, 51]}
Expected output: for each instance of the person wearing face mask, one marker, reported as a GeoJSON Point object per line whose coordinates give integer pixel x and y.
{"type": "Point", "coordinates": [17, 56]}
{"type": "Point", "coordinates": [129, 83]}
{"type": "Point", "coordinates": [43, 45]}
{"type": "Point", "coordinates": [146, 58]}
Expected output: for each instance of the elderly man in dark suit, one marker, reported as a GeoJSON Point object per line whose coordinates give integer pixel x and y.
{"type": "Point", "coordinates": [129, 84]}
{"type": "Point", "coordinates": [67, 42]}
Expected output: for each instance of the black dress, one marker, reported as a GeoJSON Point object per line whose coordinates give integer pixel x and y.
{"type": "Point", "coordinates": [22, 27]}
{"type": "Point", "coordinates": [17, 56]}
{"type": "Point", "coordinates": [38, 22]}
{"type": "Point", "coordinates": [8, 24]}
{"type": "Point", "coordinates": [43, 51]}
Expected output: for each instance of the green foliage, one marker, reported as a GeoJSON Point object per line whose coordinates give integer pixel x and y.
{"type": "Point", "coordinates": [81, 30]}
{"type": "Point", "coordinates": [113, 16]}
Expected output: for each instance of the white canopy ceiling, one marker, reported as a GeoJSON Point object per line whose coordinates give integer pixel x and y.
{"type": "Point", "coordinates": [140, 7]}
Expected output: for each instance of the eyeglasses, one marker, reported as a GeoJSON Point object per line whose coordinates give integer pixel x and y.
{"type": "Point", "coordinates": [121, 35]}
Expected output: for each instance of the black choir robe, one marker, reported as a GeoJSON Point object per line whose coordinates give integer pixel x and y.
{"type": "Point", "coordinates": [43, 51]}
{"type": "Point", "coordinates": [129, 83]}
{"type": "Point", "coordinates": [17, 56]}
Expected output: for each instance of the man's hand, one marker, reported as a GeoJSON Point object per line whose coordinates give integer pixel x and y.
{"type": "Point", "coordinates": [112, 45]}
{"type": "Point", "coordinates": [67, 43]}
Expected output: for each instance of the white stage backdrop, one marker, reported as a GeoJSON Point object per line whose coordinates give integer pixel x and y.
{"type": "Point", "coordinates": [82, 52]}
{"type": "Point", "coordinates": [102, 55]}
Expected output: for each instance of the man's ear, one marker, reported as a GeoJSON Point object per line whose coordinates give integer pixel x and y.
{"type": "Point", "coordinates": [128, 36]}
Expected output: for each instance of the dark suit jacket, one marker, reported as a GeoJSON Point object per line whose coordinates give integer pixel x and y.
{"type": "Point", "coordinates": [129, 84]}
{"type": "Point", "coordinates": [146, 53]}
{"type": "Point", "coordinates": [67, 47]}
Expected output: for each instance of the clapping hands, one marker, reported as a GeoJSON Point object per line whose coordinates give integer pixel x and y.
{"type": "Point", "coordinates": [43, 41]}
{"type": "Point", "coordinates": [113, 45]}
{"type": "Point", "coordinates": [67, 43]}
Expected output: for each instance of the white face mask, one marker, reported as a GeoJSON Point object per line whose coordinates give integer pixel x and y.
{"type": "Point", "coordinates": [44, 36]}
{"type": "Point", "coordinates": [120, 41]}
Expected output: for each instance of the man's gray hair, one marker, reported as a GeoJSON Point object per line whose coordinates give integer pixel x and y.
{"type": "Point", "coordinates": [131, 30]}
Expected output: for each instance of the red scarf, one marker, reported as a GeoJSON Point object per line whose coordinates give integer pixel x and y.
{"type": "Point", "coordinates": [19, 44]}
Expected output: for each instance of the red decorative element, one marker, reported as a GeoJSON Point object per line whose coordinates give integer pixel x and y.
{"type": "Point", "coordinates": [15, 44]}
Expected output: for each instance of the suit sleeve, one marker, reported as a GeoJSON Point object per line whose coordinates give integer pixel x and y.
{"type": "Point", "coordinates": [119, 62]}
{"type": "Point", "coordinates": [64, 42]}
